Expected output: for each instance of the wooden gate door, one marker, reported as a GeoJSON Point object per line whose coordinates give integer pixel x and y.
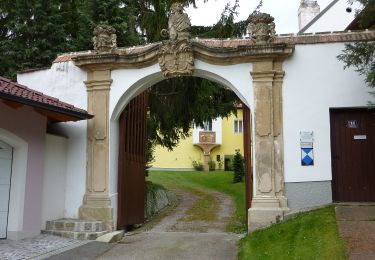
{"type": "Point", "coordinates": [132, 162]}
{"type": "Point", "coordinates": [247, 156]}
{"type": "Point", "coordinates": [353, 156]}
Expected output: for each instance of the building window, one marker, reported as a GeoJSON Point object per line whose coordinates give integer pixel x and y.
{"type": "Point", "coordinates": [238, 126]}
{"type": "Point", "coordinates": [207, 126]}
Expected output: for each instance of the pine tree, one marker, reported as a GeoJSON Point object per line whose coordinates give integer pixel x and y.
{"type": "Point", "coordinates": [238, 167]}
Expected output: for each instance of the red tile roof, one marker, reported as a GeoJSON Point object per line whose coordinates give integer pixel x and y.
{"type": "Point", "coordinates": [21, 94]}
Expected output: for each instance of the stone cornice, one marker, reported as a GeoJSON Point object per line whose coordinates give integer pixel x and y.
{"type": "Point", "coordinates": [241, 53]}
{"type": "Point", "coordinates": [214, 55]}
{"type": "Point", "coordinates": [214, 51]}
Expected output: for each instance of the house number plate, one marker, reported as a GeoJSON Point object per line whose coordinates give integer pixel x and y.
{"type": "Point", "coordinates": [360, 137]}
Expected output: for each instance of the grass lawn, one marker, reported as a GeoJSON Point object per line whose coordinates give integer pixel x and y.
{"type": "Point", "coordinates": [311, 235]}
{"type": "Point", "coordinates": [197, 182]}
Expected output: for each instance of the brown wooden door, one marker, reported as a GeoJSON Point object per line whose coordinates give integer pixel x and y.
{"type": "Point", "coordinates": [132, 162]}
{"type": "Point", "coordinates": [247, 157]}
{"type": "Point", "coordinates": [353, 155]}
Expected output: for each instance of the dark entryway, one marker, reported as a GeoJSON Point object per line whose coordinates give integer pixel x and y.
{"type": "Point", "coordinates": [353, 156]}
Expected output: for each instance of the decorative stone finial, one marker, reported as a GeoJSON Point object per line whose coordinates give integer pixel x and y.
{"type": "Point", "coordinates": [105, 39]}
{"type": "Point", "coordinates": [176, 54]}
{"type": "Point", "coordinates": [261, 27]}
{"type": "Point", "coordinates": [178, 24]}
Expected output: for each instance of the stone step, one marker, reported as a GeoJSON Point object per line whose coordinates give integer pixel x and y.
{"type": "Point", "coordinates": [75, 235]}
{"type": "Point", "coordinates": [75, 225]}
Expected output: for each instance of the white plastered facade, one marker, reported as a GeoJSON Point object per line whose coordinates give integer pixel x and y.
{"type": "Point", "coordinates": [314, 82]}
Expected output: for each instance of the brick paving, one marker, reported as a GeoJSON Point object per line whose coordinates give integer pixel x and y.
{"type": "Point", "coordinates": [39, 247]}
{"type": "Point", "coordinates": [357, 229]}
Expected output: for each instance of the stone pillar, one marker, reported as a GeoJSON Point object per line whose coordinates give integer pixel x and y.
{"type": "Point", "coordinates": [206, 148]}
{"type": "Point", "coordinates": [96, 202]}
{"type": "Point", "coordinates": [269, 203]}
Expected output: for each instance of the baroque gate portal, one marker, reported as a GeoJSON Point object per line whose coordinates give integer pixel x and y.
{"type": "Point", "coordinates": [252, 68]}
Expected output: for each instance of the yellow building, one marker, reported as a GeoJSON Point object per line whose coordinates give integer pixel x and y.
{"type": "Point", "coordinates": [217, 141]}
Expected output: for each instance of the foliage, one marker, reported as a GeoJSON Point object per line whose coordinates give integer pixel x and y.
{"type": "Point", "coordinates": [361, 55]}
{"type": "Point", "coordinates": [177, 103]}
{"type": "Point", "coordinates": [211, 165]}
{"type": "Point", "coordinates": [197, 165]}
{"type": "Point", "coordinates": [220, 164]}
{"type": "Point", "coordinates": [225, 27]}
{"type": "Point", "coordinates": [238, 167]}
{"type": "Point", "coordinates": [34, 32]}
{"type": "Point", "coordinates": [300, 238]}
{"type": "Point", "coordinates": [219, 181]}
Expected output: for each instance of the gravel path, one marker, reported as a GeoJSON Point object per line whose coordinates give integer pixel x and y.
{"type": "Point", "coordinates": [174, 238]}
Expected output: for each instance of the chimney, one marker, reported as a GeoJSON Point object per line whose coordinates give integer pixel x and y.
{"type": "Point", "coordinates": [307, 11]}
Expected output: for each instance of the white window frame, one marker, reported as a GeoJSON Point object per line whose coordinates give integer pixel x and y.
{"type": "Point", "coordinates": [238, 126]}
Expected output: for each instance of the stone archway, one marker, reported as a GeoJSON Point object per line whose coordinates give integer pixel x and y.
{"type": "Point", "coordinates": [257, 56]}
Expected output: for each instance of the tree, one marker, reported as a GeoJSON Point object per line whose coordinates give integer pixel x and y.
{"type": "Point", "coordinates": [238, 167]}
{"type": "Point", "coordinates": [178, 103]}
{"type": "Point", "coordinates": [361, 55]}
{"type": "Point", "coordinates": [34, 32]}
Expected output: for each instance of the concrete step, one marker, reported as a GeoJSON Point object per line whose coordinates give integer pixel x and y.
{"type": "Point", "coordinates": [75, 225]}
{"type": "Point", "coordinates": [80, 235]}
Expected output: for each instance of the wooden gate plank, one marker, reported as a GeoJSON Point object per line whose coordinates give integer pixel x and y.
{"type": "Point", "coordinates": [247, 157]}
{"type": "Point", "coordinates": [132, 162]}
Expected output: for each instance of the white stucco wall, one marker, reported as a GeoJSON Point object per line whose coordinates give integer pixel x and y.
{"type": "Point", "coordinates": [65, 81]}
{"type": "Point", "coordinates": [315, 82]}
{"type": "Point", "coordinates": [54, 180]}
{"type": "Point", "coordinates": [335, 19]}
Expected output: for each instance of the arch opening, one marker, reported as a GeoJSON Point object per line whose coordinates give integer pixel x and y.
{"type": "Point", "coordinates": [136, 89]}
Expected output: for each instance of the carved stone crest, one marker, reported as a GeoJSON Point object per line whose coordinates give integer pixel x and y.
{"type": "Point", "coordinates": [176, 58]}
{"type": "Point", "coordinates": [261, 27]}
{"type": "Point", "coordinates": [105, 39]}
{"type": "Point", "coordinates": [175, 54]}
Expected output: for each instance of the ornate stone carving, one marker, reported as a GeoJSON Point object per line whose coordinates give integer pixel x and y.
{"type": "Point", "coordinates": [178, 24]}
{"type": "Point", "coordinates": [105, 39]}
{"type": "Point", "coordinates": [261, 27]}
{"type": "Point", "coordinates": [175, 54]}
{"type": "Point", "coordinates": [176, 58]}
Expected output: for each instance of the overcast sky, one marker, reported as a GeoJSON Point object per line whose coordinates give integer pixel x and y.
{"type": "Point", "coordinates": [284, 11]}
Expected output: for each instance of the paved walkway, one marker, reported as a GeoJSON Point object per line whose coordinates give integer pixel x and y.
{"type": "Point", "coordinates": [357, 229]}
{"type": "Point", "coordinates": [39, 247]}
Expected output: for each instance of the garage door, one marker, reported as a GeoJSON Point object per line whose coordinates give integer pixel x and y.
{"type": "Point", "coordinates": [5, 176]}
{"type": "Point", "coordinates": [353, 156]}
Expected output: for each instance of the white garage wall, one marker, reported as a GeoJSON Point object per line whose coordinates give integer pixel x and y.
{"type": "Point", "coordinates": [314, 82]}
{"type": "Point", "coordinates": [54, 178]}
{"type": "Point", "coordinates": [65, 81]}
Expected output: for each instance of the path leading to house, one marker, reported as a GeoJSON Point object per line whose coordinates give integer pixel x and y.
{"type": "Point", "coordinates": [181, 235]}
{"type": "Point", "coordinates": [357, 228]}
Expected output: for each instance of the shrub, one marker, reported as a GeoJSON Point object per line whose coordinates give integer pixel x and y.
{"type": "Point", "coordinates": [198, 166]}
{"type": "Point", "coordinates": [211, 165]}
{"type": "Point", "coordinates": [238, 167]}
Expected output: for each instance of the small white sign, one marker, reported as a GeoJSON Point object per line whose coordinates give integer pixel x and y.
{"type": "Point", "coordinates": [306, 145]}
{"type": "Point", "coordinates": [306, 136]}
{"type": "Point", "coordinates": [360, 137]}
